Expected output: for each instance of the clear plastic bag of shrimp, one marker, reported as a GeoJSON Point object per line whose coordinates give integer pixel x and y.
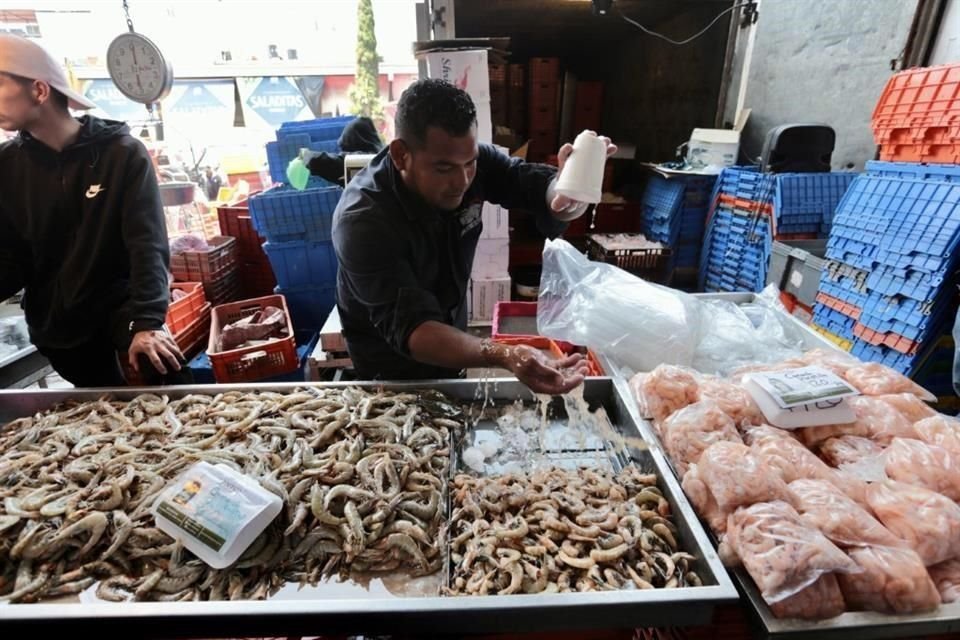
{"type": "Point", "coordinates": [605, 308]}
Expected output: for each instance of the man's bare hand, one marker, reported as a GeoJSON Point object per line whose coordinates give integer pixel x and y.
{"type": "Point", "coordinates": [538, 371]}
{"type": "Point", "coordinates": [159, 347]}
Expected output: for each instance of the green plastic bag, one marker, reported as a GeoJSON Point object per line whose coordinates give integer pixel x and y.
{"type": "Point", "coordinates": [298, 174]}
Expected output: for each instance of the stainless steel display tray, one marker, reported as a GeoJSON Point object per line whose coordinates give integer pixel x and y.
{"type": "Point", "coordinates": [858, 625]}
{"type": "Point", "coordinates": [376, 611]}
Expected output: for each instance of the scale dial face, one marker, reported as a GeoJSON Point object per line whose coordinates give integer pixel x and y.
{"type": "Point", "coordinates": [139, 69]}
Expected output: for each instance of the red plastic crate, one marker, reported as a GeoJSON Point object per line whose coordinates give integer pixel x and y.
{"type": "Point", "coordinates": [184, 311]}
{"type": "Point", "coordinates": [235, 222]}
{"type": "Point", "coordinates": [544, 70]}
{"type": "Point", "coordinates": [204, 266]}
{"type": "Point", "coordinates": [588, 106]}
{"type": "Point", "coordinates": [193, 338]}
{"type": "Point", "coordinates": [249, 364]}
{"type": "Point", "coordinates": [922, 96]}
{"type": "Point", "coordinates": [226, 288]}
{"type": "Point", "coordinates": [498, 74]}
{"type": "Point", "coordinates": [891, 340]}
{"type": "Point", "coordinates": [517, 75]}
{"type": "Point", "coordinates": [839, 306]}
{"type": "Point", "coordinates": [257, 279]}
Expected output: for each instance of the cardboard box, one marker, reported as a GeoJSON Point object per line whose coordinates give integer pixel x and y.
{"type": "Point", "coordinates": [484, 121]}
{"type": "Point", "coordinates": [491, 259]}
{"type": "Point", "coordinates": [485, 293]}
{"type": "Point", "coordinates": [496, 222]}
{"type": "Point", "coordinates": [465, 69]}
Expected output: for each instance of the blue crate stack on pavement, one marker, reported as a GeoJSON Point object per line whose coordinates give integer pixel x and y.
{"type": "Point", "coordinates": [675, 213]}
{"type": "Point", "coordinates": [889, 287]}
{"type": "Point", "coordinates": [297, 224]}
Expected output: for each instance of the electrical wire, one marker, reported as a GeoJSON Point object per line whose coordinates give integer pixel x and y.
{"type": "Point", "coordinates": [691, 38]}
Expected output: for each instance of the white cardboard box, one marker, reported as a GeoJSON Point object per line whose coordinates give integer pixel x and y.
{"type": "Point", "coordinates": [713, 147]}
{"type": "Point", "coordinates": [485, 293]}
{"type": "Point", "coordinates": [492, 258]}
{"type": "Point", "coordinates": [496, 222]}
{"type": "Point", "coordinates": [464, 69]}
{"type": "Point", "coordinates": [484, 121]}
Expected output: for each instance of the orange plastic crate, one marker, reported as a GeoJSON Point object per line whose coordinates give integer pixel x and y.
{"type": "Point", "coordinates": [181, 313]}
{"type": "Point", "coordinates": [204, 266]}
{"type": "Point", "coordinates": [892, 340]}
{"type": "Point", "coordinates": [193, 338]}
{"type": "Point", "coordinates": [839, 306]}
{"type": "Point", "coordinates": [249, 364]}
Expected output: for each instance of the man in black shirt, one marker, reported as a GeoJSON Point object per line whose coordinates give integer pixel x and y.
{"type": "Point", "coordinates": [405, 233]}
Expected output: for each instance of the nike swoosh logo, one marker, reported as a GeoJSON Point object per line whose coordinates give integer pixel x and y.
{"type": "Point", "coordinates": [93, 191]}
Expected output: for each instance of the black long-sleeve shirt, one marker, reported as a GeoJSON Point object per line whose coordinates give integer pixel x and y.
{"type": "Point", "coordinates": [82, 231]}
{"type": "Point", "coordinates": [403, 263]}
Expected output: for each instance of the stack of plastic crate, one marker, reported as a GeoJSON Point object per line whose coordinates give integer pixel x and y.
{"type": "Point", "coordinates": [739, 235]}
{"type": "Point", "coordinates": [803, 203]}
{"type": "Point", "coordinates": [321, 134]}
{"type": "Point", "coordinates": [675, 212]}
{"type": "Point", "coordinates": [889, 286]}
{"type": "Point", "coordinates": [297, 226]}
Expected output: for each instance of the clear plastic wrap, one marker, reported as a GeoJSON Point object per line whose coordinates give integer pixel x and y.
{"type": "Point", "coordinates": [740, 335]}
{"type": "Point", "coordinates": [782, 553]}
{"type": "Point", "coordinates": [728, 476]}
{"type": "Point", "coordinates": [688, 432]}
{"type": "Point", "coordinates": [928, 522]}
{"type": "Point", "coordinates": [874, 379]}
{"type": "Point", "coordinates": [940, 430]}
{"type": "Point", "coordinates": [910, 406]}
{"type": "Point", "coordinates": [946, 577]}
{"type": "Point", "coordinates": [892, 580]}
{"type": "Point", "coordinates": [667, 389]}
{"type": "Point", "coordinates": [733, 400]}
{"type": "Point", "coordinates": [636, 388]}
{"type": "Point", "coordinates": [609, 310]}
{"type": "Point", "coordinates": [923, 465]}
{"type": "Point", "coordinates": [822, 600]}
{"type": "Point", "coordinates": [846, 450]}
{"type": "Point", "coordinates": [875, 419]}
{"type": "Point", "coordinates": [826, 507]}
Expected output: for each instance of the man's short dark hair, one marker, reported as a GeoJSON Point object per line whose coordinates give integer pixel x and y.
{"type": "Point", "coordinates": [56, 96]}
{"type": "Point", "coordinates": [433, 103]}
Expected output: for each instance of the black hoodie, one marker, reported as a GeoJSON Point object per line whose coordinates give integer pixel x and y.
{"type": "Point", "coordinates": [359, 136]}
{"type": "Point", "coordinates": [83, 233]}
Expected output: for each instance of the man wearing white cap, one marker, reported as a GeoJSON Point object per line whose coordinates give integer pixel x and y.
{"type": "Point", "coordinates": [82, 230]}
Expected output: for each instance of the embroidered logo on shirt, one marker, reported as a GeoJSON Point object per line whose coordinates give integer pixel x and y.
{"type": "Point", "coordinates": [470, 218]}
{"type": "Point", "coordinates": [93, 191]}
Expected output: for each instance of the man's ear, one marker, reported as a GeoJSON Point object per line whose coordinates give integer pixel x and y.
{"type": "Point", "coordinates": [400, 154]}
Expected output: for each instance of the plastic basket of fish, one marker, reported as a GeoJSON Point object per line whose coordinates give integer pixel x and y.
{"type": "Point", "coordinates": [258, 358]}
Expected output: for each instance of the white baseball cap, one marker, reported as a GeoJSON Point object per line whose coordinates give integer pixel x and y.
{"type": "Point", "coordinates": [21, 57]}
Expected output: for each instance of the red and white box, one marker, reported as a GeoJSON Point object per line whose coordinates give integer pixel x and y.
{"type": "Point", "coordinates": [485, 293]}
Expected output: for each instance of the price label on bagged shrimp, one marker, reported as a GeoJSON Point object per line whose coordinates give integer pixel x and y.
{"type": "Point", "coordinates": [803, 386]}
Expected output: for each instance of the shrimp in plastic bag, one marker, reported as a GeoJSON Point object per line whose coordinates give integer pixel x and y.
{"type": "Point", "coordinates": [928, 522]}
{"type": "Point", "coordinates": [910, 406]}
{"type": "Point", "coordinates": [733, 400]}
{"type": "Point", "coordinates": [832, 360]}
{"type": "Point", "coordinates": [791, 459]}
{"type": "Point", "coordinates": [940, 430]}
{"type": "Point", "coordinates": [667, 389]}
{"type": "Point", "coordinates": [820, 601]}
{"type": "Point", "coordinates": [946, 576]}
{"type": "Point", "coordinates": [826, 507]}
{"type": "Point", "coordinates": [846, 450]}
{"type": "Point", "coordinates": [923, 465]}
{"type": "Point", "coordinates": [688, 432]}
{"type": "Point", "coordinates": [875, 419]}
{"type": "Point", "coordinates": [874, 379]}
{"type": "Point", "coordinates": [892, 580]}
{"type": "Point", "coordinates": [782, 553]}
{"type": "Point", "coordinates": [728, 476]}
{"type": "Point", "coordinates": [703, 501]}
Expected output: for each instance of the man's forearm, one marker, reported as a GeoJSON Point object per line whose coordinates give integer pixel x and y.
{"type": "Point", "coordinates": [441, 345]}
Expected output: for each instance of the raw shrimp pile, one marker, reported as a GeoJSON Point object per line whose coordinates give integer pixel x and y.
{"type": "Point", "coordinates": [558, 530]}
{"type": "Point", "coordinates": [361, 475]}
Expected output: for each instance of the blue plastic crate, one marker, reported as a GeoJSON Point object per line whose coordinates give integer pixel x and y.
{"type": "Point", "coordinates": [894, 314]}
{"type": "Point", "coordinates": [318, 130]}
{"type": "Point", "coordinates": [662, 198]}
{"type": "Point", "coordinates": [302, 264]}
{"type": "Point", "coordinates": [309, 306]}
{"type": "Point", "coordinates": [914, 171]}
{"type": "Point", "coordinates": [747, 184]}
{"type": "Point", "coordinates": [814, 196]}
{"type": "Point", "coordinates": [916, 285]}
{"type": "Point", "coordinates": [833, 321]}
{"type": "Point", "coordinates": [283, 214]}
{"type": "Point", "coordinates": [884, 355]}
{"type": "Point", "coordinates": [844, 294]}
